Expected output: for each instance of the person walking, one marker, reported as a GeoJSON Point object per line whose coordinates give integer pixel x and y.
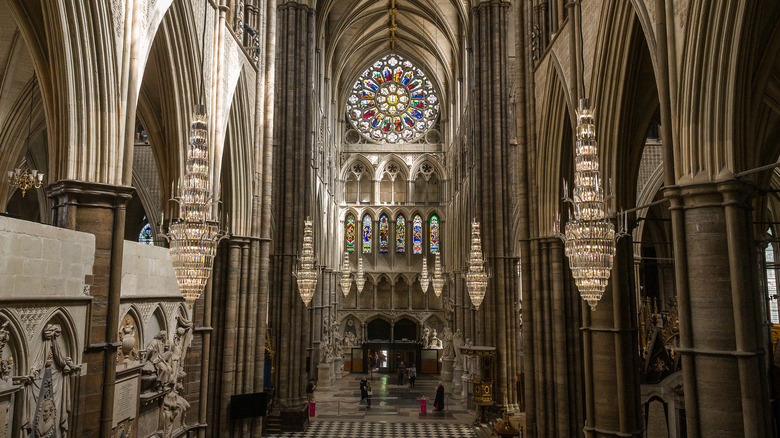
{"type": "Point", "coordinates": [401, 372]}
{"type": "Point", "coordinates": [368, 395]}
{"type": "Point", "coordinates": [438, 402]}
{"type": "Point", "coordinates": [371, 365]}
{"type": "Point", "coordinates": [363, 392]}
{"type": "Point", "coordinates": [412, 375]}
{"type": "Point", "coordinates": [310, 391]}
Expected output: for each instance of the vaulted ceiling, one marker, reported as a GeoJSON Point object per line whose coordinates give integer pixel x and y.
{"type": "Point", "coordinates": [352, 34]}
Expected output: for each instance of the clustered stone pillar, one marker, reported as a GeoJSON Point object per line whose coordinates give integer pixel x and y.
{"type": "Point", "coordinates": [553, 335]}
{"type": "Point", "coordinates": [610, 349]}
{"type": "Point", "coordinates": [497, 316]}
{"type": "Point", "coordinates": [721, 336]}
{"type": "Point", "coordinates": [292, 174]}
{"type": "Point", "coordinates": [98, 209]}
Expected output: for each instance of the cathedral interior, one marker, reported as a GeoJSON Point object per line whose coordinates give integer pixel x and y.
{"type": "Point", "coordinates": [562, 210]}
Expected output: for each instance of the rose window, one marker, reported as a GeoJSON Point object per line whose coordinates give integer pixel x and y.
{"type": "Point", "coordinates": [393, 102]}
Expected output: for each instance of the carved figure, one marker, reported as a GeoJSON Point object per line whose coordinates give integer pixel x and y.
{"type": "Point", "coordinates": [350, 340]}
{"type": "Point", "coordinates": [174, 405]}
{"type": "Point", "coordinates": [157, 355]}
{"type": "Point", "coordinates": [324, 350]}
{"type": "Point", "coordinates": [127, 338]}
{"type": "Point", "coordinates": [457, 342]}
{"type": "Point", "coordinates": [435, 341]}
{"type": "Point", "coordinates": [426, 337]}
{"type": "Point", "coordinates": [6, 365]}
{"type": "Point", "coordinates": [449, 348]}
{"type": "Point", "coordinates": [46, 400]}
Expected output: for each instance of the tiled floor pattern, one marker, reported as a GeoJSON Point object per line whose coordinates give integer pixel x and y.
{"type": "Point", "coordinates": [363, 429]}
{"type": "Point", "coordinates": [394, 412]}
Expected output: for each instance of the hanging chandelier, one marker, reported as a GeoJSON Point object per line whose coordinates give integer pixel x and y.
{"type": "Point", "coordinates": [589, 236]}
{"type": "Point", "coordinates": [306, 272]}
{"type": "Point", "coordinates": [194, 236]}
{"type": "Point", "coordinates": [438, 277]}
{"type": "Point", "coordinates": [360, 279]}
{"type": "Point", "coordinates": [424, 280]}
{"type": "Point", "coordinates": [24, 180]}
{"type": "Point", "coordinates": [346, 277]}
{"type": "Point", "coordinates": [477, 276]}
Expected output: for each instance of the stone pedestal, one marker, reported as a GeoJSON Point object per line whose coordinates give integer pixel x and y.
{"type": "Point", "coordinates": [446, 369]}
{"type": "Point", "coordinates": [323, 375]}
{"type": "Point", "coordinates": [337, 364]}
{"type": "Point", "coordinates": [457, 375]}
{"type": "Point", "coordinates": [465, 382]}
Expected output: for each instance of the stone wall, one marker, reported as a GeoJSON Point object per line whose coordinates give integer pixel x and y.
{"type": "Point", "coordinates": [147, 271]}
{"type": "Point", "coordinates": [43, 261]}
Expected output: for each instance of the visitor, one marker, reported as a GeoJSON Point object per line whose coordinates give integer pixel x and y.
{"type": "Point", "coordinates": [371, 365]}
{"type": "Point", "coordinates": [412, 375]}
{"type": "Point", "coordinates": [363, 393]}
{"type": "Point", "coordinates": [401, 372]}
{"type": "Point", "coordinates": [368, 395]}
{"type": "Point", "coordinates": [438, 402]}
{"type": "Point", "coordinates": [310, 391]}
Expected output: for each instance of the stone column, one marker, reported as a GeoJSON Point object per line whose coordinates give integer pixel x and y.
{"type": "Point", "coordinates": [610, 349]}
{"type": "Point", "coordinates": [721, 340]}
{"type": "Point", "coordinates": [292, 186]}
{"type": "Point", "coordinates": [98, 209]}
{"type": "Point", "coordinates": [494, 209]}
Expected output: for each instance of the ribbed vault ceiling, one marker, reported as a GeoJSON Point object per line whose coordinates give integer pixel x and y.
{"type": "Point", "coordinates": [354, 33]}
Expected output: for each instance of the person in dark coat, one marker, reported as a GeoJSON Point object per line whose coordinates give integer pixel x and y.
{"type": "Point", "coordinates": [363, 392]}
{"type": "Point", "coordinates": [401, 372]}
{"type": "Point", "coordinates": [438, 402]}
{"type": "Point", "coordinates": [368, 395]}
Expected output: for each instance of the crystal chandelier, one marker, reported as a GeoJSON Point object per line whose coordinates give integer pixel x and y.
{"type": "Point", "coordinates": [24, 180]}
{"type": "Point", "coordinates": [589, 235]}
{"type": "Point", "coordinates": [476, 277]}
{"type": "Point", "coordinates": [21, 178]}
{"type": "Point", "coordinates": [438, 277]}
{"type": "Point", "coordinates": [424, 280]}
{"type": "Point", "coordinates": [306, 273]}
{"type": "Point", "coordinates": [346, 277]}
{"type": "Point", "coordinates": [194, 236]}
{"type": "Point", "coordinates": [360, 279]}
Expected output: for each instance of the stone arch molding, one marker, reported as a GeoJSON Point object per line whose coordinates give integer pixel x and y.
{"type": "Point", "coordinates": [391, 316]}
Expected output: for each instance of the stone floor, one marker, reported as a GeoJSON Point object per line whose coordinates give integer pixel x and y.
{"type": "Point", "coordinates": [390, 402]}
{"type": "Point", "coordinates": [394, 412]}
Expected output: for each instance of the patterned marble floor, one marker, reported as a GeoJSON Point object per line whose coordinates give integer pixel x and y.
{"type": "Point", "coordinates": [363, 429]}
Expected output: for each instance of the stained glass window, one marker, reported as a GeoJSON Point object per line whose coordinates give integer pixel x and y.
{"type": "Point", "coordinates": [366, 234]}
{"type": "Point", "coordinates": [417, 227]}
{"type": "Point", "coordinates": [400, 233]}
{"type": "Point", "coordinates": [434, 237]}
{"type": "Point", "coordinates": [384, 234]}
{"type": "Point", "coordinates": [146, 235]}
{"type": "Point", "coordinates": [393, 101]}
{"type": "Point", "coordinates": [349, 233]}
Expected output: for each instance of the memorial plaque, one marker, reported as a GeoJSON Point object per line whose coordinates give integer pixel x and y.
{"type": "Point", "coordinates": [125, 399]}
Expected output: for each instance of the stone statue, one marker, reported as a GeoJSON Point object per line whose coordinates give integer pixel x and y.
{"type": "Point", "coordinates": [174, 405]}
{"type": "Point", "coordinates": [435, 341]}
{"type": "Point", "coordinates": [350, 340]}
{"type": "Point", "coordinates": [457, 342]}
{"type": "Point", "coordinates": [324, 350]}
{"type": "Point", "coordinates": [426, 337]}
{"type": "Point", "coordinates": [157, 368]}
{"type": "Point", "coordinates": [6, 365]}
{"type": "Point", "coordinates": [449, 348]}
{"type": "Point", "coordinates": [128, 341]}
{"type": "Point", "coordinates": [46, 403]}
